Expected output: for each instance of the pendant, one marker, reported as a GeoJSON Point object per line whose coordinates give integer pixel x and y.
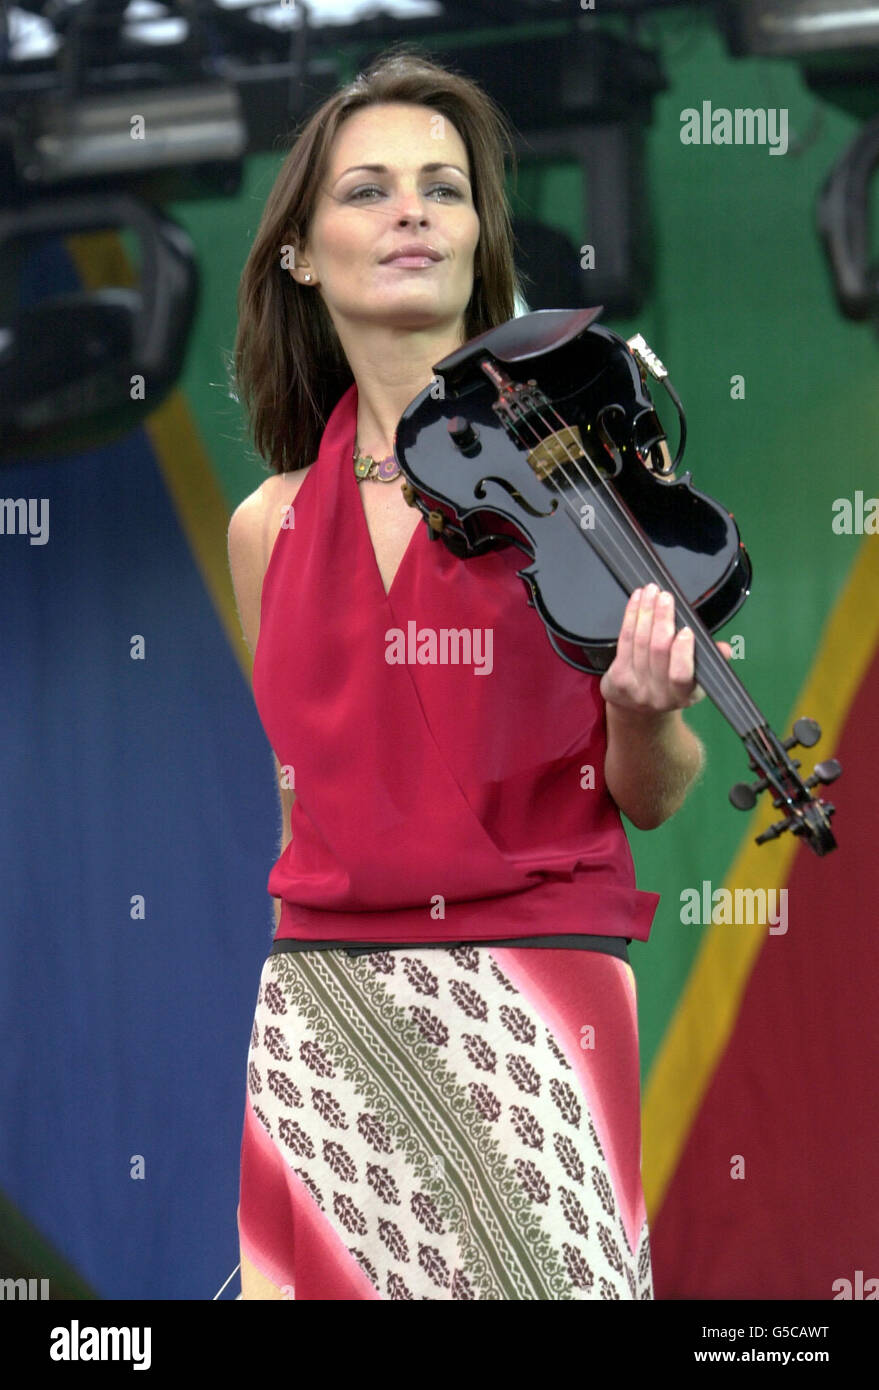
{"type": "Point", "coordinates": [388, 469]}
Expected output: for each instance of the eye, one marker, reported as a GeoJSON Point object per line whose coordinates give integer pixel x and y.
{"type": "Point", "coordinates": [374, 188]}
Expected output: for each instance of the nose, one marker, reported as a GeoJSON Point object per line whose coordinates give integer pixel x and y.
{"type": "Point", "coordinates": [412, 206]}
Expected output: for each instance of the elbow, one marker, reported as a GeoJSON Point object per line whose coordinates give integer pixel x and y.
{"type": "Point", "coordinates": [650, 814]}
{"type": "Point", "coordinates": [647, 819]}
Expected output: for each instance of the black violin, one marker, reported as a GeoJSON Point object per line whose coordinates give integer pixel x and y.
{"type": "Point", "coordinates": [567, 465]}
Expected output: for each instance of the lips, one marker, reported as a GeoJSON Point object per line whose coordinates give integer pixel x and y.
{"type": "Point", "coordinates": [413, 250]}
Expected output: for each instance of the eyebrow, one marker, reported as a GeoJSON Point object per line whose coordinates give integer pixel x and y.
{"type": "Point", "coordinates": [383, 169]}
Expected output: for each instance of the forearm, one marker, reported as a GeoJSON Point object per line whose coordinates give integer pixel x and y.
{"type": "Point", "coordinates": [652, 759]}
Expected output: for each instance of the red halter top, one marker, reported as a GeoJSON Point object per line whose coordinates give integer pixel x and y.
{"type": "Point", "coordinates": [448, 766]}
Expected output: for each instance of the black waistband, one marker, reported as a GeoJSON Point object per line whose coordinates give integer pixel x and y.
{"type": "Point", "coordinates": [578, 941]}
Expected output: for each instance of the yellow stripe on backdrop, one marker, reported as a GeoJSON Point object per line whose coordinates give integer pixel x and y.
{"type": "Point", "coordinates": [705, 1017]}
{"type": "Point", "coordinates": [201, 508]}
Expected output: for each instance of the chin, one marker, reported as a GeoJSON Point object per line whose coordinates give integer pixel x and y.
{"type": "Point", "coordinates": [419, 310]}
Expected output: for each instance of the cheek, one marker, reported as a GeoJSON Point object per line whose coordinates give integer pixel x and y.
{"type": "Point", "coordinates": [343, 241]}
{"type": "Point", "coordinates": [474, 233]}
{"type": "Point", "coordinates": [340, 239]}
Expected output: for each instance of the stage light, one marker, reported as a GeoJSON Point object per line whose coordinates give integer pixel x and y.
{"type": "Point", "coordinates": [133, 132]}
{"type": "Point", "coordinates": [782, 28]}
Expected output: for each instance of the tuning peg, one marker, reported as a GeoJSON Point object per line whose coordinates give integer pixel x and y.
{"type": "Point", "coordinates": [799, 828]}
{"type": "Point", "coordinates": [825, 772]}
{"type": "Point", "coordinates": [775, 830]}
{"type": "Point", "coordinates": [744, 794]}
{"type": "Point", "coordinates": [806, 732]}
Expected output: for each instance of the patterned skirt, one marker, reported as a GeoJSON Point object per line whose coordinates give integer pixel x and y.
{"type": "Point", "coordinates": [445, 1123]}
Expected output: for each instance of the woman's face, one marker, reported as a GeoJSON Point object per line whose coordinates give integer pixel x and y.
{"type": "Point", "coordinates": [363, 216]}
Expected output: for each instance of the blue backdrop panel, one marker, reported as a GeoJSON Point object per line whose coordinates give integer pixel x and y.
{"type": "Point", "coordinates": [120, 777]}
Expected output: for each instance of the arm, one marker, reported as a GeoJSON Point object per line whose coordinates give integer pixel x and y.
{"type": "Point", "coordinates": [249, 541]}
{"type": "Point", "coordinates": [652, 756]}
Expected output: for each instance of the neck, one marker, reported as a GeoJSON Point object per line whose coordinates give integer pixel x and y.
{"type": "Point", "coordinates": [390, 366]}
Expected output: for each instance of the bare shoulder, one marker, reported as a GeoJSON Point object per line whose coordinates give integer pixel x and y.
{"type": "Point", "coordinates": [279, 492]}
{"type": "Point", "coordinates": [253, 530]}
{"type": "Point", "coordinates": [255, 522]}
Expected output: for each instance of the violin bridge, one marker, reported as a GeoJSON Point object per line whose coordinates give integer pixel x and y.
{"type": "Point", "coordinates": [561, 447]}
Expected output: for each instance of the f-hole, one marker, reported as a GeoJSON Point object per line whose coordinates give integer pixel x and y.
{"type": "Point", "coordinates": [479, 491]}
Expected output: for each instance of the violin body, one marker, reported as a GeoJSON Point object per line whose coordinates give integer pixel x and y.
{"type": "Point", "coordinates": [494, 492]}
{"type": "Point", "coordinates": [541, 433]}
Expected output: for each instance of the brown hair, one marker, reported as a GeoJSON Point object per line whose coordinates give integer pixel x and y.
{"type": "Point", "coordinates": [290, 369]}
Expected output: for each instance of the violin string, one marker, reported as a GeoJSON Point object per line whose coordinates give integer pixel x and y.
{"type": "Point", "coordinates": [736, 694]}
{"type": "Point", "coordinates": [738, 697]}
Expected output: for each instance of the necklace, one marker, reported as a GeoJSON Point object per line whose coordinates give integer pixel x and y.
{"type": "Point", "coordinates": [365, 466]}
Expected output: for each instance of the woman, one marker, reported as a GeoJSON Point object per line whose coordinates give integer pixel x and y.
{"type": "Point", "coordinates": [452, 1113]}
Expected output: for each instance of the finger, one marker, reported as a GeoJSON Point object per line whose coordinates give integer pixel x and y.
{"type": "Point", "coordinates": [661, 639]}
{"type": "Point", "coordinates": [643, 633]}
{"type": "Point", "coordinates": [725, 649]}
{"type": "Point", "coordinates": [682, 663]}
{"type": "Point", "coordinates": [627, 630]}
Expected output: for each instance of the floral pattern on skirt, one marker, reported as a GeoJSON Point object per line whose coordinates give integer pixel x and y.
{"type": "Point", "coordinates": [445, 1123]}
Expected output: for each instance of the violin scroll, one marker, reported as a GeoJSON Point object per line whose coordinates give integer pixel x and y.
{"type": "Point", "coordinates": [804, 815]}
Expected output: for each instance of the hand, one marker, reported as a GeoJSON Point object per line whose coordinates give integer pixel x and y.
{"type": "Point", "coordinates": [653, 671]}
